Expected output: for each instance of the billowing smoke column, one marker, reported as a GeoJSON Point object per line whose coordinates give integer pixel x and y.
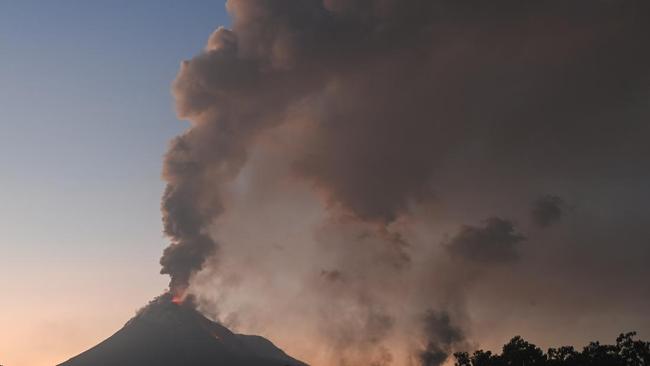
{"type": "Point", "coordinates": [412, 136]}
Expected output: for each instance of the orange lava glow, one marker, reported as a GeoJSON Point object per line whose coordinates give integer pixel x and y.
{"type": "Point", "coordinates": [178, 297]}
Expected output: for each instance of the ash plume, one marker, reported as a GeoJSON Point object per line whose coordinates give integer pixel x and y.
{"type": "Point", "coordinates": [547, 210]}
{"type": "Point", "coordinates": [335, 145]}
{"type": "Point", "coordinates": [442, 336]}
{"type": "Point", "coordinates": [496, 242]}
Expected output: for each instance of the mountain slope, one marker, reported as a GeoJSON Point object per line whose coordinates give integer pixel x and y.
{"type": "Point", "coordinates": [168, 334]}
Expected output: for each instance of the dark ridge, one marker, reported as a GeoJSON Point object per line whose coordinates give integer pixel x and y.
{"type": "Point", "coordinates": [168, 334]}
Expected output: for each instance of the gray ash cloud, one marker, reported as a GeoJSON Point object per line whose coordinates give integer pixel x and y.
{"type": "Point", "coordinates": [548, 210]}
{"type": "Point", "coordinates": [395, 122]}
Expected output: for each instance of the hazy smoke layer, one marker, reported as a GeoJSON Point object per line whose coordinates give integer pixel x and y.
{"type": "Point", "coordinates": [345, 155]}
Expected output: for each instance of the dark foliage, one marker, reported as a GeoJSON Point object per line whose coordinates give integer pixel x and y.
{"type": "Point", "coordinates": [626, 352]}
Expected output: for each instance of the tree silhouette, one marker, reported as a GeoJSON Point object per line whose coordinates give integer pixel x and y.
{"type": "Point", "coordinates": [626, 352]}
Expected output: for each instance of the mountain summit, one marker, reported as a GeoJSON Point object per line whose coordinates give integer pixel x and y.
{"type": "Point", "coordinates": [165, 333]}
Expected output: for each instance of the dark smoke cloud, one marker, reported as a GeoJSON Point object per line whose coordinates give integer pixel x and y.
{"type": "Point", "coordinates": [430, 65]}
{"type": "Point", "coordinates": [495, 242]}
{"type": "Point", "coordinates": [441, 337]}
{"type": "Point", "coordinates": [352, 135]}
{"type": "Point", "coordinates": [547, 210]}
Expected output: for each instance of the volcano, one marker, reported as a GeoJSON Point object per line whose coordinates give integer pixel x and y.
{"type": "Point", "coordinates": [165, 333]}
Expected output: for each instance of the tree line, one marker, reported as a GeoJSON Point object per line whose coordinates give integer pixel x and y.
{"type": "Point", "coordinates": [627, 351]}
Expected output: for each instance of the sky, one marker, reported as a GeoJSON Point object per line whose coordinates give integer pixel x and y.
{"type": "Point", "coordinates": [86, 117]}
{"type": "Point", "coordinates": [360, 181]}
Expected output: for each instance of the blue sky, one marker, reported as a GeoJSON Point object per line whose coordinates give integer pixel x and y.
{"type": "Point", "coordinates": [85, 116]}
